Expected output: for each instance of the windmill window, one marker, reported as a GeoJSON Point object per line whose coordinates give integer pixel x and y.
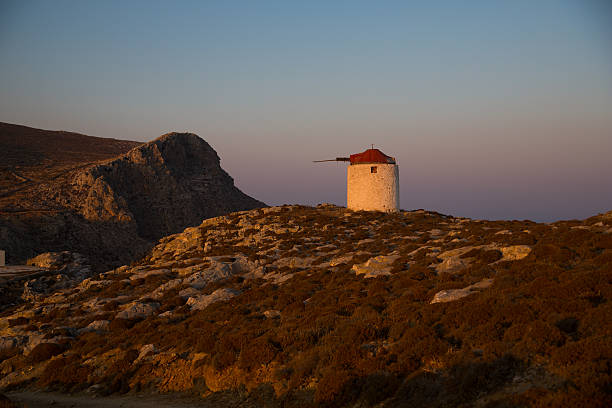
{"type": "Point", "coordinates": [373, 169]}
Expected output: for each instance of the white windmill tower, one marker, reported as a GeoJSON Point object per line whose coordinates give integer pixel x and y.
{"type": "Point", "coordinates": [372, 181]}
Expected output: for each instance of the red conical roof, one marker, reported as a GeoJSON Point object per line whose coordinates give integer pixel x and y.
{"type": "Point", "coordinates": [371, 156]}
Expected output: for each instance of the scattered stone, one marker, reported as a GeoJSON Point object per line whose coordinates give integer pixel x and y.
{"type": "Point", "coordinates": [451, 265]}
{"type": "Point", "coordinates": [189, 292]}
{"type": "Point", "coordinates": [341, 260]}
{"type": "Point", "coordinates": [378, 266]}
{"type": "Point", "coordinates": [199, 280]}
{"type": "Point", "coordinates": [57, 260]}
{"type": "Point", "coordinates": [295, 262]}
{"type": "Point", "coordinates": [149, 273]}
{"type": "Point", "coordinates": [452, 261]}
{"type": "Point", "coordinates": [451, 295]}
{"type": "Point", "coordinates": [137, 310]}
{"type": "Point", "coordinates": [164, 288]}
{"type": "Point", "coordinates": [219, 295]}
{"type": "Point", "coordinates": [96, 325]}
{"type": "Point", "coordinates": [272, 314]}
{"type": "Point", "coordinates": [514, 253]}
{"type": "Point", "coordinates": [145, 351]}
{"type": "Point", "coordinates": [89, 283]}
{"type": "Point", "coordinates": [13, 341]}
{"type": "Point", "coordinates": [436, 233]}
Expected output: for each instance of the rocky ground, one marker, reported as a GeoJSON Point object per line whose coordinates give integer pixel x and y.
{"type": "Point", "coordinates": [41, 275]}
{"type": "Point", "coordinates": [302, 306]}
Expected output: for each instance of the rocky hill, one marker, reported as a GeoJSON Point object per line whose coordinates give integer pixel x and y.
{"type": "Point", "coordinates": [74, 192]}
{"type": "Point", "coordinates": [29, 156]}
{"type": "Point", "coordinates": [299, 306]}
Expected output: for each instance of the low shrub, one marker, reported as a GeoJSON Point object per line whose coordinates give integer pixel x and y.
{"type": "Point", "coordinates": [44, 351]}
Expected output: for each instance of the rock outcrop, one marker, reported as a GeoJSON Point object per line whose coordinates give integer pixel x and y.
{"type": "Point", "coordinates": [163, 186]}
{"type": "Point", "coordinates": [112, 211]}
{"type": "Point", "coordinates": [46, 273]}
{"type": "Point", "coordinates": [451, 295]}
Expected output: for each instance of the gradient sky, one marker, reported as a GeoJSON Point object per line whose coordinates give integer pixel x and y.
{"type": "Point", "coordinates": [493, 109]}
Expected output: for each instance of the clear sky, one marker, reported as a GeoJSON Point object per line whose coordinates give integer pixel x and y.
{"type": "Point", "coordinates": [493, 109]}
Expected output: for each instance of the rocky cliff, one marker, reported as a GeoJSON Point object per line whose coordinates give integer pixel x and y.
{"type": "Point", "coordinates": [163, 186]}
{"type": "Point", "coordinates": [111, 210]}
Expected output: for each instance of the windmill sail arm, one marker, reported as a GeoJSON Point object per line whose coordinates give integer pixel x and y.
{"type": "Point", "coordinates": [336, 159]}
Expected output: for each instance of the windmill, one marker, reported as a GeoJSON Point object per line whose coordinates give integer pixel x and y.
{"type": "Point", "coordinates": [372, 182]}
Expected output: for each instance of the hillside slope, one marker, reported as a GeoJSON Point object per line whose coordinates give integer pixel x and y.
{"type": "Point", "coordinates": [75, 196]}
{"type": "Point", "coordinates": [300, 306]}
{"type": "Point", "coordinates": [29, 156]}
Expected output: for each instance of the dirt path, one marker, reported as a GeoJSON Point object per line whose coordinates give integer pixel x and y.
{"type": "Point", "coordinates": [35, 399]}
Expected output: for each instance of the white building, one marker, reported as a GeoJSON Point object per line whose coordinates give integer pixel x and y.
{"type": "Point", "coordinates": [372, 181]}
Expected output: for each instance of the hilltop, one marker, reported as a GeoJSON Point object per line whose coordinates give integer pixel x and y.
{"type": "Point", "coordinates": [106, 199]}
{"type": "Point", "coordinates": [301, 306]}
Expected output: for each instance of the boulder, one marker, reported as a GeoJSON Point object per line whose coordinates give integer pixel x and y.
{"type": "Point", "coordinates": [451, 295]}
{"type": "Point", "coordinates": [199, 280]}
{"type": "Point", "coordinates": [451, 265]}
{"type": "Point", "coordinates": [148, 273]}
{"type": "Point", "coordinates": [514, 252]}
{"type": "Point", "coordinates": [378, 266]}
{"type": "Point", "coordinates": [96, 325]}
{"type": "Point", "coordinates": [295, 262]}
{"type": "Point", "coordinates": [144, 351]}
{"type": "Point", "coordinates": [219, 295]}
{"type": "Point", "coordinates": [54, 260]}
{"type": "Point", "coordinates": [137, 310]}
{"type": "Point", "coordinates": [189, 292]}
{"type": "Point", "coordinates": [341, 260]}
{"type": "Point", "coordinates": [272, 314]}
{"type": "Point", "coordinates": [163, 288]}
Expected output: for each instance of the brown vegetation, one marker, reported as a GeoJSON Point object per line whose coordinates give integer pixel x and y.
{"type": "Point", "coordinates": [541, 335]}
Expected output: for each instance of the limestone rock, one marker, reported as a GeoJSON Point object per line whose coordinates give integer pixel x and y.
{"type": "Point", "coordinates": [295, 262]}
{"type": "Point", "coordinates": [166, 186]}
{"type": "Point", "coordinates": [65, 269]}
{"type": "Point", "coordinates": [451, 265]}
{"type": "Point", "coordinates": [148, 273]}
{"type": "Point", "coordinates": [164, 287]}
{"type": "Point", "coordinates": [137, 310]}
{"type": "Point", "coordinates": [341, 260]}
{"type": "Point", "coordinates": [219, 295]}
{"type": "Point", "coordinates": [378, 266]}
{"type": "Point", "coordinates": [200, 279]}
{"type": "Point", "coordinates": [514, 253]}
{"type": "Point", "coordinates": [55, 260]}
{"type": "Point", "coordinates": [451, 295]}
{"type": "Point", "coordinates": [96, 325]}
{"type": "Point", "coordinates": [145, 351]}
{"type": "Point", "coordinates": [272, 314]}
{"type": "Point", "coordinates": [189, 292]}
